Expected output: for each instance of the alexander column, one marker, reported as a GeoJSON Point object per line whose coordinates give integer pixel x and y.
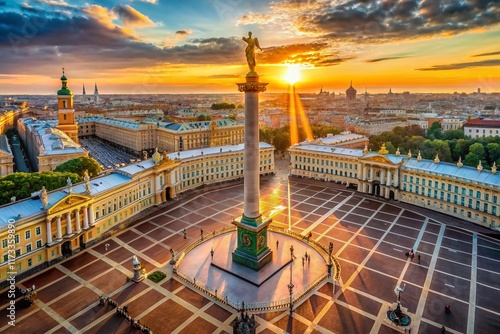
{"type": "Point", "coordinates": [252, 250]}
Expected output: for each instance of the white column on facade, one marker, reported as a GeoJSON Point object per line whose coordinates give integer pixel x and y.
{"type": "Point", "coordinates": [59, 230]}
{"type": "Point", "coordinates": [371, 173]}
{"type": "Point", "coordinates": [389, 176]}
{"type": "Point", "coordinates": [49, 231]}
{"type": "Point", "coordinates": [85, 218]}
{"type": "Point", "coordinates": [91, 214]}
{"type": "Point", "coordinates": [382, 176]}
{"type": "Point", "coordinates": [77, 221]}
{"type": "Point", "coordinates": [69, 228]}
{"type": "Point", "coordinates": [396, 178]}
{"type": "Point", "coordinates": [365, 172]}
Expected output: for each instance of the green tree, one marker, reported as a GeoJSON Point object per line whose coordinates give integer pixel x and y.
{"type": "Point", "coordinates": [460, 149]}
{"type": "Point", "coordinates": [435, 131]}
{"type": "Point", "coordinates": [202, 118]}
{"type": "Point", "coordinates": [223, 105]}
{"type": "Point", "coordinates": [415, 144]}
{"type": "Point", "coordinates": [79, 165]}
{"type": "Point", "coordinates": [266, 135]}
{"type": "Point", "coordinates": [493, 152]}
{"type": "Point", "coordinates": [453, 134]}
{"type": "Point", "coordinates": [281, 141]}
{"type": "Point", "coordinates": [22, 185]}
{"type": "Point", "coordinates": [478, 150]}
{"type": "Point", "coordinates": [471, 159]}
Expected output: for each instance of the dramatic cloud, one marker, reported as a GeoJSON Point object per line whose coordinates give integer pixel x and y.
{"type": "Point", "coordinates": [376, 60]}
{"type": "Point", "coordinates": [101, 14]}
{"type": "Point", "coordinates": [459, 66]}
{"type": "Point", "coordinates": [183, 32]}
{"type": "Point", "coordinates": [131, 16]}
{"type": "Point", "coordinates": [487, 54]}
{"type": "Point", "coordinates": [315, 54]}
{"type": "Point", "coordinates": [206, 51]}
{"type": "Point", "coordinates": [375, 21]}
{"type": "Point", "coordinates": [55, 3]}
{"type": "Point", "coordinates": [148, 1]}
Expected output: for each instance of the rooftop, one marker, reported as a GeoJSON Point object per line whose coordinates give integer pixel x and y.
{"type": "Point", "coordinates": [466, 173]}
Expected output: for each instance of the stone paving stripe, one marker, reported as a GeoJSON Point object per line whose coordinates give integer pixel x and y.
{"type": "Point", "coordinates": [428, 279]}
{"type": "Point", "coordinates": [473, 286]}
{"type": "Point", "coordinates": [325, 216]}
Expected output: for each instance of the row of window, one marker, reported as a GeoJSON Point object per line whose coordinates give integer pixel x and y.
{"type": "Point", "coordinates": [118, 203]}
{"type": "Point", "coordinates": [327, 171]}
{"type": "Point", "coordinates": [449, 187]}
{"type": "Point", "coordinates": [456, 199]}
{"type": "Point", "coordinates": [323, 162]}
{"type": "Point", "coordinates": [27, 236]}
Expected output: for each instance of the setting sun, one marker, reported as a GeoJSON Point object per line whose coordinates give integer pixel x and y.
{"type": "Point", "coordinates": [292, 74]}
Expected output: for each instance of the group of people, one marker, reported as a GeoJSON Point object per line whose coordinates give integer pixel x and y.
{"type": "Point", "coordinates": [29, 295]}
{"type": "Point", "coordinates": [123, 312]}
{"type": "Point", "coordinates": [306, 259]}
{"type": "Point", "coordinates": [411, 255]}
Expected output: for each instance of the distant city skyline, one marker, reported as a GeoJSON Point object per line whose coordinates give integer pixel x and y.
{"type": "Point", "coordinates": [195, 46]}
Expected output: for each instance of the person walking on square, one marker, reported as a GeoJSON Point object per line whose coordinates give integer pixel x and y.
{"type": "Point", "coordinates": [201, 232]}
{"type": "Point", "coordinates": [443, 330]}
{"type": "Point", "coordinates": [418, 258]}
{"type": "Point", "coordinates": [185, 233]}
{"type": "Point", "coordinates": [277, 243]}
{"type": "Point", "coordinates": [212, 253]}
{"type": "Point", "coordinates": [303, 261]}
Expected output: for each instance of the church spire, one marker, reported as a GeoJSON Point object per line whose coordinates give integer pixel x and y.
{"type": "Point", "coordinates": [96, 94]}
{"type": "Point", "coordinates": [84, 89]}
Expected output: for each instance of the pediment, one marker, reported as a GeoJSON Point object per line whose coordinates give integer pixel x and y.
{"type": "Point", "coordinates": [378, 158]}
{"type": "Point", "coordinates": [72, 200]}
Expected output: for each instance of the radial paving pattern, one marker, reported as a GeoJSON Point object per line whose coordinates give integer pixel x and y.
{"type": "Point", "coordinates": [370, 237]}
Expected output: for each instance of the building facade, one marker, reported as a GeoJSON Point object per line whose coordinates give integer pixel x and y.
{"type": "Point", "coordinates": [47, 147]}
{"type": "Point", "coordinates": [51, 225]}
{"type": "Point", "coordinates": [6, 157]}
{"type": "Point", "coordinates": [472, 194]}
{"type": "Point", "coordinates": [171, 137]}
{"type": "Point", "coordinates": [480, 128]}
{"type": "Point", "coordinates": [193, 135]}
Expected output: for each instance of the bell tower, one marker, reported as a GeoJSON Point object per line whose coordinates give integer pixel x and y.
{"type": "Point", "coordinates": [66, 112]}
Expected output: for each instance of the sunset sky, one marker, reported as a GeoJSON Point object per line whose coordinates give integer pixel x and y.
{"type": "Point", "coordinates": [195, 46]}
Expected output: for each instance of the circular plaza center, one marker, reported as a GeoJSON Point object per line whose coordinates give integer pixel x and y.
{"type": "Point", "coordinates": [208, 265]}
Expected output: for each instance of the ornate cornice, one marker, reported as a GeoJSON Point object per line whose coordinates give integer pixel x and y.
{"type": "Point", "coordinates": [252, 87]}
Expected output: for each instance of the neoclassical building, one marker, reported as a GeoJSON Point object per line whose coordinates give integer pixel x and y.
{"type": "Point", "coordinates": [147, 135]}
{"type": "Point", "coordinates": [47, 146]}
{"type": "Point", "coordinates": [54, 224]}
{"type": "Point", "coordinates": [472, 194]}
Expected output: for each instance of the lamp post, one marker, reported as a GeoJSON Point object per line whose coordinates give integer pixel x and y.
{"type": "Point", "coordinates": [290, 289]}
{"type": "Point", "coordinates": [330, 250]}
{"type": "Point", "coordinates": [400, 289]}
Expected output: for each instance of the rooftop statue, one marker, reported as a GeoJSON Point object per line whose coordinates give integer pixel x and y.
{"type": "Point", "coordinates": [250, 50]}
{"type": "Point", "coordinates": [44, 197]}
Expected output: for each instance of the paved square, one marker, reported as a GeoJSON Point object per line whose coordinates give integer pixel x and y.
{"type": "Point", "coordinates": [370, 236]}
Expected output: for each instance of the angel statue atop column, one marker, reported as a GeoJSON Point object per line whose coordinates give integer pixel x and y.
{"type": "Point", "coordinates": [250, 50]}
